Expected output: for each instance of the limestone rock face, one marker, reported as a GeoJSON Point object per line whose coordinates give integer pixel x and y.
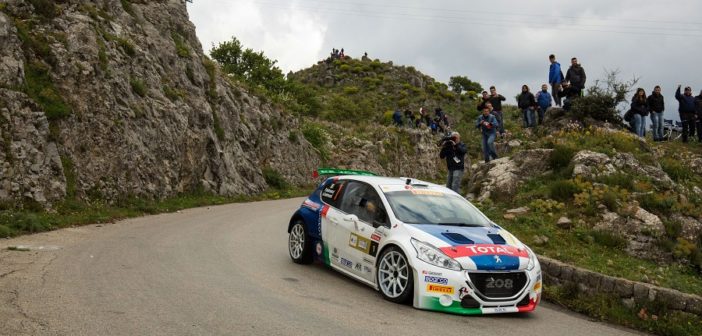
{"type": "Point", "coordinates": [148, 114]}
{"type": "Point", "coordinates": [501, 177]}
{"type": "Point", "coordinates": [590, 164]}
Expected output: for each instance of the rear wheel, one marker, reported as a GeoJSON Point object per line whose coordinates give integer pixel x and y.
{"type": "Point", "coordinates": [394, 275]}
{"type": "Point", "coordinates": [299, 244]}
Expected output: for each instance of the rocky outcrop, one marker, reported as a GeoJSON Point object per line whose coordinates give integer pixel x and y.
{"type": "Point", "coordinates": [501, 177]}
{"type": "Point", "coordinates": [590, 165]}
{"type": "Point", "coordinates": [144, 112]}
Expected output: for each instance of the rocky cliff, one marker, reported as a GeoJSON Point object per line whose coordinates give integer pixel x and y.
{"type": "Point", "coordinates": [115, 98]}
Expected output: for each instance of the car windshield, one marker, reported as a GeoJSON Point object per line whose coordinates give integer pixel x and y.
{"type": "Point", "coordinates": [418, 206]}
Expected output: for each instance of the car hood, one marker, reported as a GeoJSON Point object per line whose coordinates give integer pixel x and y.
{"type": "Point", "coordinates": [475, 248]}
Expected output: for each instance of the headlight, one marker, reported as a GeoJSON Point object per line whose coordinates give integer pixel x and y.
{"type": "Point", "coordinates": [532, 260]}
{"type": "Point", "coordinates": [432, 255]}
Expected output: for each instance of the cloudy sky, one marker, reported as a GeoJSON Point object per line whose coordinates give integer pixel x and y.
{"type": "Point", "coordinates": [497, 42]}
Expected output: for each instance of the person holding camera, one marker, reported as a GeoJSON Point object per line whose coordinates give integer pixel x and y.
{"type": "Point", "coordinates": [454, 151]}
{"type": "Point", "coordinates": [488, 124]}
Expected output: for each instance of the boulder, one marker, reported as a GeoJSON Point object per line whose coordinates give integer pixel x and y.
{"type": "Point", "coordinates": [589, 165]}
{"type": "Point", "coordinates": [564, 223]}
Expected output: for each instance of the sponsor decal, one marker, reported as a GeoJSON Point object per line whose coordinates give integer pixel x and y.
{"type": "Point", "coordinates": [335, 255]}
{"type": "Point", "coordinates": [319, 248]}
{"type": "Point", "coordinates": [484, 249]}
{"type": "Point", "coordinates": [363, 244]}
{"type": "Point", "coordinates": [367, 261]}
{"type": "Point", "coordinates": [312, 205]}
{"type": "Point", "coordinates": [325, 209]}
{"type": "Point", "coordinates": [328, 192]}
{"type": "Point", "coordinates": [463, 292]}
{"type": "Point", "coordinates": [426, 192]}
{"type": "Point", "coordinates": [357, 267]}
{"type": "Point", "coordinates": [434, 279]}
{"type": "Point", "coordinates": [366, 269]}
{"type": "Point", "coordinates": [431, 273]}
{"type": "Point", "coordinates": [497, 259]}
{"type": "Point", "coordinates": [375, 237]}
{"type": "Point", "coordinates": [440, 289]}
{"type": "Point", "coordinates": [346, 262]}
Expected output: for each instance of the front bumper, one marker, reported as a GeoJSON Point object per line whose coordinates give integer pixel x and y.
{"type": "Point", "coordinates": [450, 291]}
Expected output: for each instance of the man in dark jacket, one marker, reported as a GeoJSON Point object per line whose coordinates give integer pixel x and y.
{"type": "Point", "coordinates": [483, 100]}
{"type": "Point", "coordinates": [698, 112]}
{"type": "Point", "coordinates": [687, 112]}
{"type": "Point", "coordinates": [454, 151]}
{"type": "Point", "coordinates": [527, 103]}
{"type": "Point", "coordinates": [656, 106]}
{"type": "Point", "coordinates": [576, 75]}
{"type": "Point", "coordinates": [496, 100]}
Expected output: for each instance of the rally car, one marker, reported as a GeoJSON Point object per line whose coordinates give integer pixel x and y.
{"type": "Point", "coordinates": [415, 241]}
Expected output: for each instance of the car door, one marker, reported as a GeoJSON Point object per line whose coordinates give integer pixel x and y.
{"type": "Point", "coordinates": [330, 218]}
{"type": "Point", "coordinates": [364, 211]}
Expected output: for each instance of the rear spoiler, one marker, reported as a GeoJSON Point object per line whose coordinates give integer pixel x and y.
{"type": "Point", "coordinates": [335, 171]}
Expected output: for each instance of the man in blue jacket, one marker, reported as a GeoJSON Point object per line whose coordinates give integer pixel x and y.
{"type": "Point", "coordinates": [555, 77]}
{"type": "Point", "coordinates": [488, 124]}
{"type": "Point", "coordinates": [687, 113]}
{"type": "Point", "coordinates": [543, 99]}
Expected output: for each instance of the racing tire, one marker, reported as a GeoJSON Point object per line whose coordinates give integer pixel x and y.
{"type": "Point", "coordinates": [299, 245]}
{"type": "Point", "coordinates": [394, 276]}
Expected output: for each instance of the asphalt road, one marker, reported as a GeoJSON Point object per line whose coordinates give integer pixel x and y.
{"type": "Point", "coordinates": [221, 270]}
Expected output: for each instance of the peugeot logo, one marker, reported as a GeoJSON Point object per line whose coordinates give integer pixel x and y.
{"type": "Point", "coordinates": [498, 260]}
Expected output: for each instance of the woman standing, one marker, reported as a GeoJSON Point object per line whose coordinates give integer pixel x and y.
{"type": "Point", "coordinates": [639, 105]}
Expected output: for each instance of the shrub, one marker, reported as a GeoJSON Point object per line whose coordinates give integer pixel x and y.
{"type": "Point", "coordinates": [171, 93]}
{"type": "Point", "coordinates": [40, 88]}
{"type": "Point", "coordinates": [181, 48]}
{"type": "Point", "coordinates": [138, 87]}
{"type": "Point", "coordinates": [127, 6]}
{"type": "Point", "coordinates": [349, 90]}
{"type": "Point", "coordinates": [274, 179]}
{"type": "Point", "coordinates": [219, 131]}
{"type": "Point", "coordinates": [561, 156]}
{"type": "Point", "coordinates": [344, 67]}
{"type": "Point", "coordinates": [45, 8]}
{"type": "Point", "coordinates": [609, 239]}
{"type": "Point", "coordinates": [563, 190]}
{"type": "Point", "coordinates": [675, 169]}
{"type": "Point", "coordinates": [317, 137]}
{"type": "Point", "coordinates": [658, 203]}
{"type": "Point", "coordinates": [622, 180]}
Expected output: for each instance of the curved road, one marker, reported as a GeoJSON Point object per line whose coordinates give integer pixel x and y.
{"type": "Point", "coordinates": [220, 270]}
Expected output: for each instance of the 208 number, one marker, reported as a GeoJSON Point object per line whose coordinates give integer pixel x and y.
{"type": "Point", "coordinates": [500, 283]}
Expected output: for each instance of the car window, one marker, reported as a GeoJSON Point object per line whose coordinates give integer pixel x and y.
{"type": "Point", "coordinates": [331, 194]}
{"type": "Point", "coordinates": [363, 201]}
{"type": "Point", "coordinates": [434, 207]}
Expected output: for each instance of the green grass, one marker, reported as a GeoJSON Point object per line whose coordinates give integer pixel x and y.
{"type": "Point", "coordinates": [138, 86]}
{"type": "Point", "coordinates": [181, 48]}
{"type": "Point", "coordinates": [217, 125]}
{"type": "Point", "coordinates": [75, 212]}
{"type": "Point", "coordinates": [39, 86]}
{"type": "Point", "coordinates": [127, 6]}
{"type": "Point", "coordinates": [606, 307]}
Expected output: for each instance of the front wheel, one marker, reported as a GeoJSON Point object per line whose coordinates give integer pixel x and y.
{"type": "Point", "coordinates": [394, 276]}
{"type": "Point", "coordinates": [299, 244]}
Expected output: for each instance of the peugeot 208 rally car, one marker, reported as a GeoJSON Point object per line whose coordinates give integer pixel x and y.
{"type": "Point", "coordinates": [413, 240]}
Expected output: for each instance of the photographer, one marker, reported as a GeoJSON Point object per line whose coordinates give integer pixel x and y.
{"type": "Point", "coordinates": [454, 151]}
{"type": "Point", "coordinates": [487, 123]}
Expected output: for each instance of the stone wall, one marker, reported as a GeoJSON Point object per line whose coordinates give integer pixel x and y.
{"type": "Point", "coordinates": [630, 292]}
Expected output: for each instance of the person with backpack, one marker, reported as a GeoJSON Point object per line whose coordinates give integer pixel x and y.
{"type": "Point", "coordinates": [656, 106]}
{"type": "Point", "coordinates": [555, 77]}
{"type": "Point", "coordinates": [527, 103]}
{"type": "Point", "coordinates": [487, 123]}
{"type": "Point", "coordinates": [576, 75]}
{"type": "Point", "coordinates": [639, 105]}
{"type": "Point", "coordinates": [687, 111]}
{"type": "Point", "coordinates": [543, 100]}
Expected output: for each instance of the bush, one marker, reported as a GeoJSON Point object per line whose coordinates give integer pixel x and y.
{"type": "Point", "coordinates": [658, 203]}
{"type": "Point", "coordinates": [561, 156]}
{"type": "Point", "coordinates": [138, 87]}
{"type": "Point", "coordinates": [609, 239]}
{"type": "Point", "coordinates": [39, 86]}
{"type": "Point", "coordinates": [317, 137]}
{"type": "Point", "coordinates": [563, 190]}
{"type": "Point", "coordinates": [675, 169]}
{"type": "Point", "coordinates": [274, 179]}
{"type": "Point", "coordinates": [181, 48]}
{"type": "Point", "coordinates": [45, 8]}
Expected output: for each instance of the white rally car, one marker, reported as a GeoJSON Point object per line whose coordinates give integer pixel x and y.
{"type": "Point", "coordinates": [414, 240]}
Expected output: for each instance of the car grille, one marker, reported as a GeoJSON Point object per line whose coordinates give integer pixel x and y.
{"type": "Point", "coordinates": [498, 285]}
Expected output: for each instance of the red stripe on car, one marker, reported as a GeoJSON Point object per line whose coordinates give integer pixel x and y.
{"type": "Point", "coordinates": [483, 249]}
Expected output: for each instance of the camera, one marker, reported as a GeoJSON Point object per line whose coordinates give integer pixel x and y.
{"type": "Point", "coordinates": [446, 140]}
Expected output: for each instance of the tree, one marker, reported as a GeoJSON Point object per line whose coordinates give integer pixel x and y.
{"type": "Point", "coordinates": [249, 66]}
{"type": "Point", "coordinates": [459, 84]}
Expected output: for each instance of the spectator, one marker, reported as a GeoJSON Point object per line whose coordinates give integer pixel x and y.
{"type": "Point", "coordinates": [397, 118]}
{"type": "Point", "coordinates": [341, 54]}
{"type": "Point", "coordinates": [454, 151]}
{"type": "Point", "coordinates": [576, 76]}
{"type": "Point", "coordinates": [483, 100]}
{"type": "Point", "coordinates": [570, 93]}
{"type": "Point", "coordinates": [409, 120]}
{"type": "Point", "coordinates": [639, 106]}
{"type": "Point", "coordinates": [527, 103]}
{"type": "Point", "coordinates": [365, 57]}
{"type": "Point", "coordinates": [434, 126]}
{"type": "Point", "coordinates": [656, 106]}
{"type": "Point", "coordinates": [687, 112]}
{"type": "Point", "coordinates": [698, 110]}
{"type": "Point", "coordinates": [543, 99]}
{"type": "Point", "coordinates": [496, 101]}
{"type": "Point", "coordinates": [555, 77]}
{"type": "Point", "coordinates": [487, 123]}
